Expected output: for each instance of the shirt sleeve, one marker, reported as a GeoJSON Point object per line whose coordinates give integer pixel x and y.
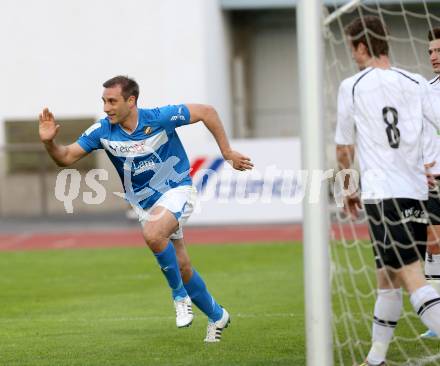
{"type": "Point", "coordinates": [345, 126]}
{"type": "Point", "coordinates": [430, 103]}
{"type": "Point", "coordinates": [91, 138]}
{"type": "Point", "coordinates": [173, 116]}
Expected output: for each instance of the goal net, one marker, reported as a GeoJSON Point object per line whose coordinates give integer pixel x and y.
{"type": "Point", "coordinates": [353, 280]}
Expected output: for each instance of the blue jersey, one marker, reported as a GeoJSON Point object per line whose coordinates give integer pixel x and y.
{"type": "Point", "coordinates": [151, 160]}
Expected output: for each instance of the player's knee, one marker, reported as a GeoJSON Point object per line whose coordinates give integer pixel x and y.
{"type": "Point", "coordinates": [387, 278]}
{"type": "Point", "coordinates": [152, 238]}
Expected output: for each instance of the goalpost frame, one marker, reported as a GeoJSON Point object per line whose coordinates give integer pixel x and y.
{"type": "Point", "coordinates": [315, 227]}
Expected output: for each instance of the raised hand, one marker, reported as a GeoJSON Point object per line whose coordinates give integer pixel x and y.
{"type": "Point", "coordinates": [238, 161]}
{"type": "Point", "coordinates": [48, 128]}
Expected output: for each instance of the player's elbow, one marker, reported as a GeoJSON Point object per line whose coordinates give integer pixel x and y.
{"type": "Point", "coordinates": [65, 161]}
{"type": "Point", "coordinates": [202, 112]}
{"type": "Point", "coordinates": [207, 112]}
{"type": "Point", "coordinates": [62, 163]}
{"type": "Point", "coordinates": [211, 111]}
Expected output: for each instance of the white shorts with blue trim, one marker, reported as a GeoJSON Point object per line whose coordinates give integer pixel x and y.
{"type": "Point", "coordinates": [180, 201]}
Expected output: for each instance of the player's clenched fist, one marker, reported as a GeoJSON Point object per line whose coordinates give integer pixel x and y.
{"type": "Point", "coordinates": [48, 128]}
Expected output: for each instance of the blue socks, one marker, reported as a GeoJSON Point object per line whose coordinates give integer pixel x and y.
{"type": "Point", "coordinates": [195, 288]}
{"type": "Point", "coordinates": [170, 268]}
{"type": "Point", "coordinates": [200, 296]}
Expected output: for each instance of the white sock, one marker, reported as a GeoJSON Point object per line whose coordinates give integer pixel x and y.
{"type": "Point", "coordinates": [432, 269]}
{"type": "Point", "coordinates": [435, 285]}
{"type": "Point", "coordinates": [426, 302]}
{"type": "Point", "coordinates": [387, 312]}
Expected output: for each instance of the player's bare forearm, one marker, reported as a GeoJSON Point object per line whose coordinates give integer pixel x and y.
{"type": "Point", "coordinates": [345, 156]}
{"type": "Point", "coordinates": [58, 153]}
{"type": "Point", "coordinates": [64, 155]}
{"type": "Point", "coordinates": [210, 118]}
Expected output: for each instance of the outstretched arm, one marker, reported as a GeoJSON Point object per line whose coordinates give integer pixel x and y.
{"type": "Point", "coordinates": [209, 116]}
{"type": "Point", "coordinates": [61, 154]}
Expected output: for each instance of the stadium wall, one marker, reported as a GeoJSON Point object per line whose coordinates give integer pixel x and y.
{"type": "Point", "coordinates": [57, 54]}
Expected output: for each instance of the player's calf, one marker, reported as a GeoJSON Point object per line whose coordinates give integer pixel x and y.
{"type": "Point", "coordinates": [432, 264]}
{"type": "Point", "coordinates": [426, 303]}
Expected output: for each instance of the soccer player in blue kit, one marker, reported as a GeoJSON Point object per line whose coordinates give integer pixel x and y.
{"type": "Point", "coordinates": [150, 159]}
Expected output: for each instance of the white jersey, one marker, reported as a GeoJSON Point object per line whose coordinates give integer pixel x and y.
{"type": "Point", "coordinates": [384, 112]}
{"type": "Point", "coordinates": [432, 148]}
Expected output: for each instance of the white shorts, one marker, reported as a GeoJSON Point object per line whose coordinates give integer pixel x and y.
{"type": "Point", "coordinates": [180, 201]}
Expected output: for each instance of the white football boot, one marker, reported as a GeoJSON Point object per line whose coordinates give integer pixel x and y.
{"type": "Point", "coordinates": [184, 313]}
{"type": "Point", "coordinates": [215, 329]}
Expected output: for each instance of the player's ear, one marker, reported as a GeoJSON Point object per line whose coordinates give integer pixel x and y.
{"type": "Point", "coordinates": [354, 48]}
{"type": "Point", "coordinates": [363, 48]}
{"type": "Point", "coordinates": [131, 100]}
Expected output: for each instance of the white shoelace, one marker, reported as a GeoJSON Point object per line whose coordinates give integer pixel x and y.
{"type": "Point", "coordinates": [182, 308]}
{"type": "Point", "coordinates": [211, 331]}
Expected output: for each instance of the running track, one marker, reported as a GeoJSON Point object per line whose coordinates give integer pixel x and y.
{"type": "Point", "coordinates": [206, 235]}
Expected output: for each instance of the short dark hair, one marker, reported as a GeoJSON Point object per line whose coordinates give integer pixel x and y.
{"type": "Point", "coordinates": [434, 33]}
{"type": "Point", "coordinates": [129, 86]}
{"type": "Point", "coordinates": [372, 32]}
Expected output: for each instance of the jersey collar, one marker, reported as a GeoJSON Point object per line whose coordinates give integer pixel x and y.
{"type": "Point", "coordinates": [137, 125]}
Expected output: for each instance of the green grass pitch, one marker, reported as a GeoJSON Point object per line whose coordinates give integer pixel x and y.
{"type": "Point", "coordinates": [100, 307]}
{"type": "Point", "coordinates": [112, 307]}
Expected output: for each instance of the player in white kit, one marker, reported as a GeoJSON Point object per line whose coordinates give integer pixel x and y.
{"type": "Point", "coordinates": [382, 111]}
{"type": "Point", "coordinates": [432, 261]}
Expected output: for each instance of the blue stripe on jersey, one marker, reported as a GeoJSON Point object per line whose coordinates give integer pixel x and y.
{"type": "Point", "coordinates": [151, 160]}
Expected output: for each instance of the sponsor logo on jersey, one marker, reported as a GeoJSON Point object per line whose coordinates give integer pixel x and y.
{"type": "Point", "coordinates": [135, 148]}
{"type": "Point", "coordinates": [143, 166]}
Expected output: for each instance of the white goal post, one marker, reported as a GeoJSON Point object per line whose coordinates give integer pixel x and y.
{"type": "Point", "coordinates": [316, 238]}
